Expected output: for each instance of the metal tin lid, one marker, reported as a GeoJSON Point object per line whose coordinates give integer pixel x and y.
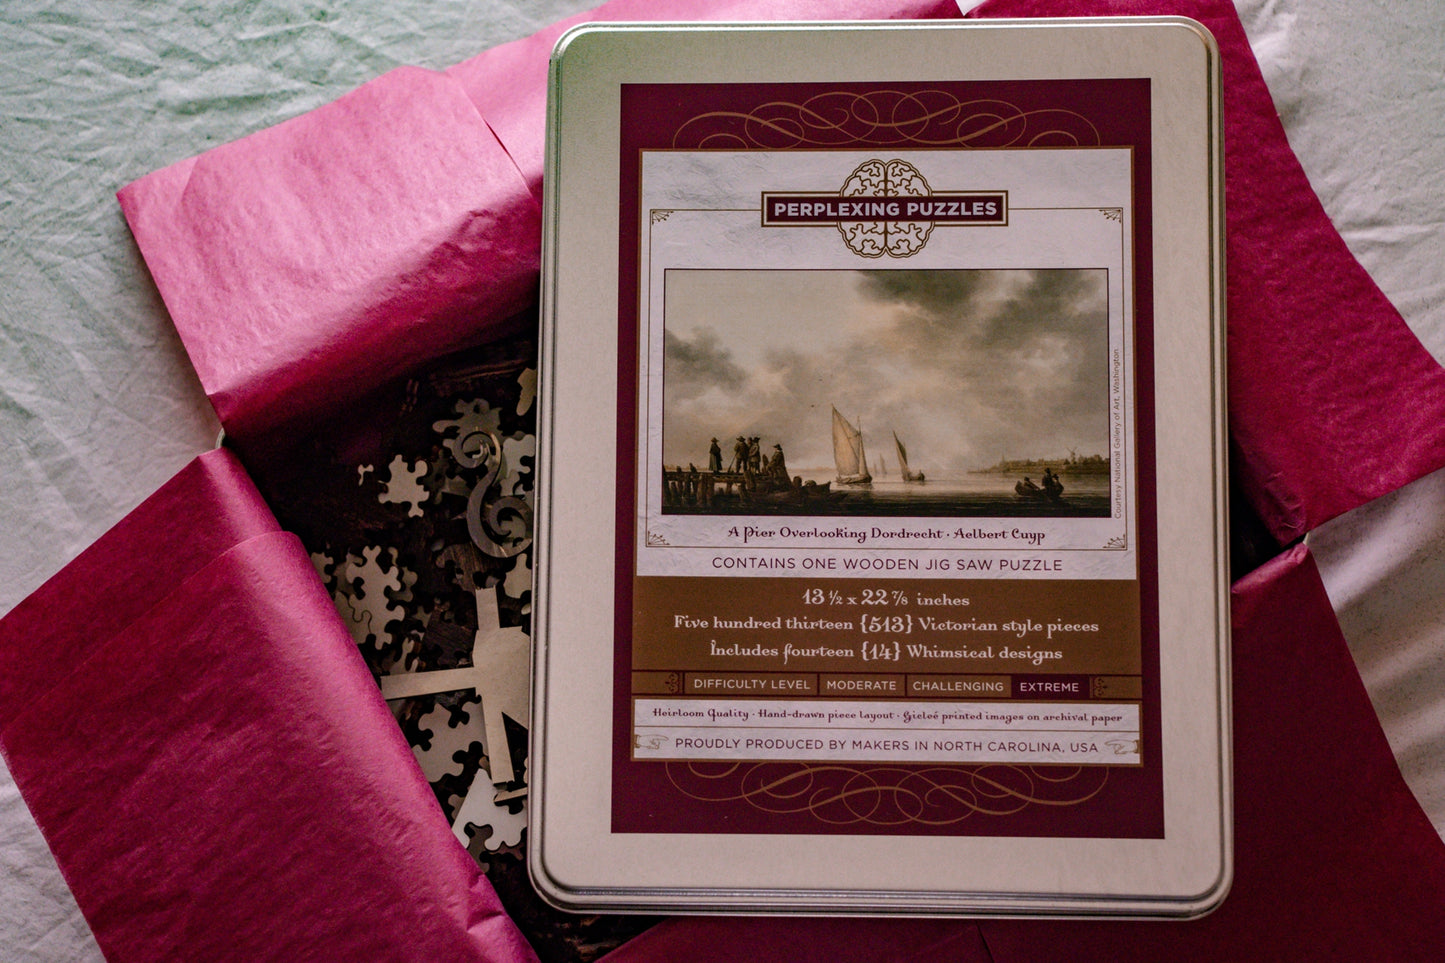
{"type": "Point", "coordinates": [861, 578]}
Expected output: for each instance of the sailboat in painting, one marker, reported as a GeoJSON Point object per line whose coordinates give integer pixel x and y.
{"type": "Point", "coordinates": [908, 476]}
{"type": "Point", "coordinates": [848, 453]}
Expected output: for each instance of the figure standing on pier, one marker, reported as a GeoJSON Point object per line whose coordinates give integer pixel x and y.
{"type": "Point", "coordinates": [740, 455]}
{"type": "Point", "coordinates": [714, 457]}
{"type": "Point", "coordinates": [778, 467]}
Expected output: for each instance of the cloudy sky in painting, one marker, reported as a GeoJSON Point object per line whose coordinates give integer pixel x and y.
{"type": "Point", "coordinates": [966, 366]}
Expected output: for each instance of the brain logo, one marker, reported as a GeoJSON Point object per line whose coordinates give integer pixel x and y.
{"type": "Point", "coordinates": [877, 178]}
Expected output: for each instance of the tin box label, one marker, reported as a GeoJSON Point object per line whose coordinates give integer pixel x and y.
{"type": "Point", "coordinates": [886, 550]}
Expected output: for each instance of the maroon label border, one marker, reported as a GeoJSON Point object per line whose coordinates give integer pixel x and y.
{"type": "Point", "coordinates": [659, 797]}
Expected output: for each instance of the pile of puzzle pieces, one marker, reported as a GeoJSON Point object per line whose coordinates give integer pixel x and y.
{"type": "Point", "coordinates": [418, 517]}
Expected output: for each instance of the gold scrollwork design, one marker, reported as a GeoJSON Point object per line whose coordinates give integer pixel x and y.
{"type": "Point", "coordinates": [840, 794]}
{"type": "Point", "coordinates": [886, 118]}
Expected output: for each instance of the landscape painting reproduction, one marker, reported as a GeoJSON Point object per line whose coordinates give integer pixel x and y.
{"type": "Point", "coordinates": [888, 392]}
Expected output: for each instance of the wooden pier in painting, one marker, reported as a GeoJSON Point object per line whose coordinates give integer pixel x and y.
{"type": "Point", "coordinates": [696, 488]}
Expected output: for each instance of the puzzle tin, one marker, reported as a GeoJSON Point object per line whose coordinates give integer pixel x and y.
{"type": "Point", "coordinates": [881, 520]}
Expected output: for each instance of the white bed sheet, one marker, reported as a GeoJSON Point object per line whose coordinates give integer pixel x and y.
{"type": "Point", "coordinates": [98, 405]}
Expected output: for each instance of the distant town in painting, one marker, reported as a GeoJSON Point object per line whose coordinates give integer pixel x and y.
{"type": "Point", "coordinates": [898, 393]}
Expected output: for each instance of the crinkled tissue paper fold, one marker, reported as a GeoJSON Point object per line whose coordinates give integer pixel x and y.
{"type": "Point", "coordinates": [210, 760]}
{"type": "Point", "coordinates": [311, 261]}
{"type": "Point", "coordinates": [213, 766]}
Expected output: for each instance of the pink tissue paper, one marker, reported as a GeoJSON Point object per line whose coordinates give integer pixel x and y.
{"type": "Point", "coordinates": [310, 262]}
{"type": "Point", "coordinates": [213, 766]}
{"type": "Point", "coordinates": [211, 762]}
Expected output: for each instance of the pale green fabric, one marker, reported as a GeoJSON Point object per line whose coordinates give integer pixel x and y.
{"type": "Point", "coordinates": [98, 405]}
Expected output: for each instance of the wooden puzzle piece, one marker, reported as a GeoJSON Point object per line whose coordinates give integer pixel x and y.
{"type": "Point", "coordinates": [500, 673]}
